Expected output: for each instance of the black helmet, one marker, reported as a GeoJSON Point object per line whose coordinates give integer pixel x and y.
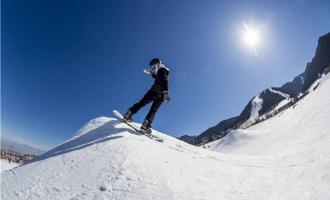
{"type": "Point", "coordinates": [154, 61]}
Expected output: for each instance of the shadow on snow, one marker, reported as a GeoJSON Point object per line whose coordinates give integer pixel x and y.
{"type": "Point", "coordinates": [101, 134]}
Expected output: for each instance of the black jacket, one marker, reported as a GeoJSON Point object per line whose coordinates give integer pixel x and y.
{"type": "Point", "coordinates": [161, 80]}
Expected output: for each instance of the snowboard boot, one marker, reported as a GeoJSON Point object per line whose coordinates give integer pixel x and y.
{"type": "Point", "coordinates": [146, 128]}
{"type": "Point", "coordinates": [128, 116]}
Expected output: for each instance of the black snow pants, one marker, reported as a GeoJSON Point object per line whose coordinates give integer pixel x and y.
{"type": "Point", "coordinates": [151, 96]}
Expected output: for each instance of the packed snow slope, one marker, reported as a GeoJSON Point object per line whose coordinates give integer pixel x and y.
{"type": "Point", "coordinates": [5, 165]}
{"type": "Point", "coordinates": [302, 129]}
{"type": "Point", "coordinates": [108, 160]}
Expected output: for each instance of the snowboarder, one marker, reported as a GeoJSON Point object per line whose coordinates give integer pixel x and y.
{"type": "Point", "coordinates": [157, 94]}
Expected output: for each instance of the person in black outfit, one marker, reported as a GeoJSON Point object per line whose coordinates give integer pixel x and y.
{"type": "Point", "coordinates": [157, 94]}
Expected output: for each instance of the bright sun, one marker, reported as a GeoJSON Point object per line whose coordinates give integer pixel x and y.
{"type": "Point", "coordinates": [251, 37]}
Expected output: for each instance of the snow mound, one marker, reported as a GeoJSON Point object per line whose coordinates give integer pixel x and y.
{"type": "Point", "coordinates": [285, 157]}
{"type": "Point", "coordinates": [92, 124]}
{"type": "Point", "coordinates": [231, 140]}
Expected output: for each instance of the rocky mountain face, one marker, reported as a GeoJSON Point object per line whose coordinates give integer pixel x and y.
{"type": "Point", "coordinates": [268, 99]}
{"type": "Point", "coordinates": [319, 63]}
{"type": "Point", "coordinates": [216, 131]}
{"type": "Point", "coordinates": [292, 88]}
{"type": "Point", "coordinates": [188, 139]}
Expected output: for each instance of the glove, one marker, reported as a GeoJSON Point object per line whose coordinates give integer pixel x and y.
{"type": "Point", "coordinates": [167, 97]}
{"type": "Point", "coordinates": [147, 71]}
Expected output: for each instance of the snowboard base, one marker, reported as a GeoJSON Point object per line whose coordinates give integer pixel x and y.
{"type": "Point", "coordinates": [121, 117]}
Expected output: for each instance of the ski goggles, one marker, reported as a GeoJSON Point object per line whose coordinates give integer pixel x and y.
{"type": "Point", "coordinates": [156, 66]}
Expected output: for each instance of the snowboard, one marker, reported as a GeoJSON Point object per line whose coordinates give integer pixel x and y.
{"type": "Point", "coordinates": [121, 117]}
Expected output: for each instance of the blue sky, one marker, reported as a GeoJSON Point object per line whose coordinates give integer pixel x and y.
{"type": "Point", "coordinates": [66, 62]}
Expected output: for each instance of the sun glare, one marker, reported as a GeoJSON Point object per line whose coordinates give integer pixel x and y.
{"type": "Point", "coordinates": [251, 37]}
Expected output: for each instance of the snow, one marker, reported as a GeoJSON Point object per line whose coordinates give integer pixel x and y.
{"type": "Point", "coordinates": [284, 157]}
{"type": "Point", "coordinates": [282, 103]}
{"type": "Point", "coordinates": [300, 128]}
{"type": "Point", "coordinates": [256, 107]}
{"type": "Point", "coordinates": [279, 93]}
{"type": "Point", "coordinates": [5, 165]}
{"type": "Point", "coordinates": [92, 124]}
{"type": "Point", "coordinates": [298, 137]}
{"type": "Point", "coordinates": [302, 79]}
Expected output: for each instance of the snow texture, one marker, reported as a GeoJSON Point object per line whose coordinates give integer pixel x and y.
{"type": "Point", "coordinates": [5, 165]}
{"type": "Point", "coordinates": [298, 138]}
{"type": "Point", "coordinates": [285, 157]}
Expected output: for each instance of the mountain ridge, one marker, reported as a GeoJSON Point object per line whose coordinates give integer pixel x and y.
{"type": "Point", "coordinates": [271, 97]}
{"type": "Point", "coordinates": [19, 148]}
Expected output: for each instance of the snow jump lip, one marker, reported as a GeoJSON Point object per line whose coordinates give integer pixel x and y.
{"type": "Point", "coordinates": [107, 131]}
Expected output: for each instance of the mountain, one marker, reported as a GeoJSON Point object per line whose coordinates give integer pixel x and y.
{"type": "Point", "coordinates": [271, 97]}
{"type": "Point", "coordinates": [188, 139]}
{"type": "Point", "coordinates": [106, 159]}
{"type": "Point", "coordinates": [259, 105]}
{"type": "Point", "coordinates": [19, 148]}
{"type": "Point", "coordinates": [294, 87]}
{"type": "Point", "coordinates": [216, 131]}
{"type": "Point", "coordinates": [266, 101]}
{"type": "Point", "coordinates": [301, 130]}
{"type": "Point", "coordinates": [320, 62]}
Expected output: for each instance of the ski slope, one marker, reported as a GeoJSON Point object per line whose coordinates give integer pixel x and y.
{"type": "Point", "coordinates": [5, 165]}
{"type": "Point", "coordinates": [303, 128]}
{"type": "Point", "coordinates": [285, 157]}
{"type": "Point", "coordinates": [256, 107]}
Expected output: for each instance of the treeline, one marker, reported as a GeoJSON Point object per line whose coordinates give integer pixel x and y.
{"type": "Point", "coordinates": [13, 156]}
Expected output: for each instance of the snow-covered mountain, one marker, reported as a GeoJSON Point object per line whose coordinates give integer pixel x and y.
{"type": "Point", "coordinates": [303, 127]}
{"type": "Point", "coordinates": [214, 133]}
{"type": "Point", "coordinates": [270, 98]}
{"type": "Point", "coordinates": [320, 62]}
{"type": "Point", "coordinates": [19, 148]}
{"type": "Point", "coordinates": [285, 157]}
{"type": "Point", "coordinates": [188, 139]}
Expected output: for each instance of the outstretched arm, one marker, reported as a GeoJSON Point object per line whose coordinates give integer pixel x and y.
{"type": "Point", "coordinates": [149, 72]}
